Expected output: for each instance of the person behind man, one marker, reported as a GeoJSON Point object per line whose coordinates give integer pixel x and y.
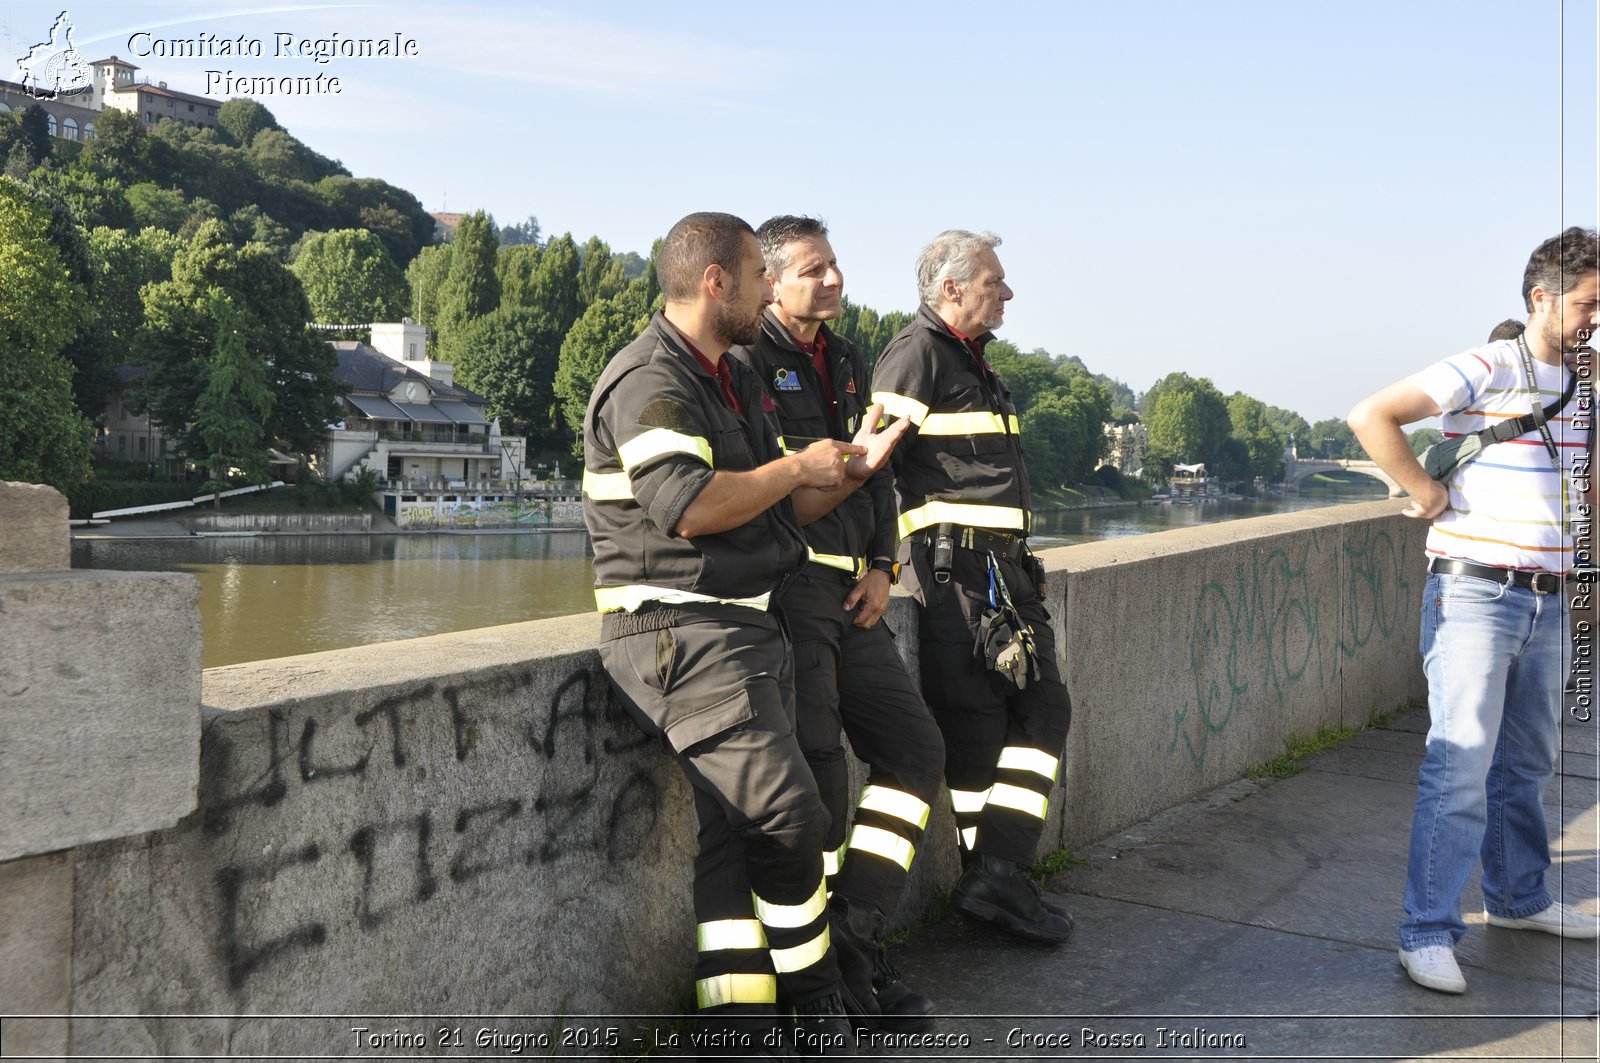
{"type": "Point", "coordinates": [1499, 550]}
{"type": "Point", "coordinates": [988, 654]}
{"type": "Point", "coordinates": [693, 510]}
{"type": "Point", "coordinates": [847, 672]}
{"type": "Point", "coordinates": [1509, 329]}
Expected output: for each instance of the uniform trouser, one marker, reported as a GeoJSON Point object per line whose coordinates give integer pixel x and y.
{"type": "Point", "coordinates": [851, 680]}
{"type": "Point", "coordinates": [716, 686]}
{"type": "Point", "coordinates": [1003, 745]}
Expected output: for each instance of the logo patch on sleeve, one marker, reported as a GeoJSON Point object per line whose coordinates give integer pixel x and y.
{"type": "Point", "coordinates": [850, 386]}
{"type": "Point", "coordinates": [786, 380]}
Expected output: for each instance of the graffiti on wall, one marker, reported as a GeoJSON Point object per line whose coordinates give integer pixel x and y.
{"type": "Point", "coordinates": [1257, 637]}
{"type": "Point", "coordinates": [503, 791]}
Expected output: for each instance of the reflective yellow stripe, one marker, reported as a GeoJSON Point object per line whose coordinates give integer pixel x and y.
{"type": "Point", "coordinates": [880, 842]}
{"type": "Point", "coordinates": [801, 956]}
{"type": "Point", "coordinates": [736, 989]}
{"type": "Point", "coordinates": [730, 934]}
{"type": "Point", "coordinates": [963, 424]}
{"type": "Point", "coordinates": [1007, 796]}
{"type": "Point", "coordinates": [901, 406]}
{"type": "Point", "coordinates": [1022, 758]}
{"type": "Point", "coordinates": [659, 441]}
{"type": "Point", "coordinates": [975, 514]}
{"type": "Point", "coordinates": [896, 803]}
{"type": "Point", "coordinates": [831, 860]}
{"type": "Point", "coordinates": [607, 486]}
{"type": "Point", "coordinates": [784, 446]}
{"type": "Point", "coordinates": [789, 916]}
{"type": "Point", "coordinates": [967, 800]}
{"type": "Point", "coordinates": [630, 597]}
{"type": "Point", "coordinates": [969, 838]}
{"type": "Point", "coordinates": [843, 562]}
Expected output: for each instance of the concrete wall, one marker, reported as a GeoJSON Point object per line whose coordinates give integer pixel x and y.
{"type": "Point", "coordinates": [465, 823]}
{"type": "Point", "coordinates": [295, 523]}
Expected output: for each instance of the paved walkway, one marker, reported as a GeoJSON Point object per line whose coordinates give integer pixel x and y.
{"type": "Point", "coordinates": [1259, 923]}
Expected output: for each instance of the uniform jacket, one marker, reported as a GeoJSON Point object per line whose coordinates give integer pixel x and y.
{"type": "Point", "coordinates": [655, 432]}
{"type": "Point", "coordinates": [863, 525]}
{"type": "Point", "coordinates": [961, 461]}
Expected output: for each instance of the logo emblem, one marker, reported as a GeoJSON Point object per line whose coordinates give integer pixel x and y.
{"type": "Point", "coordinates": [850, 386]}
{"type": "Point", "coordinates": [786, 380]}
{"type": "Point", "coordinates": [53, 68]}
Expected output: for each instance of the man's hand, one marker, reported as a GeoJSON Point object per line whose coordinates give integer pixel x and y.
{"type": "Point", "coordinates": [1431, 501]}
{"type": "Point", "coordinates": [871, 592]}
{"type": "Point", "coordinates": [822, 464]}
{"type": "Point", "coordinates": [875, 445]}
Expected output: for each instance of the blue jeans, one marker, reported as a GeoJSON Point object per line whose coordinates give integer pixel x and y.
{"type": "Point", "coordinates": [1493, 659]}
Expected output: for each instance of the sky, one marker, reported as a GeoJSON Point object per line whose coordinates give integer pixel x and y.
{"type": "Point", "coordinates": [1299, 200]}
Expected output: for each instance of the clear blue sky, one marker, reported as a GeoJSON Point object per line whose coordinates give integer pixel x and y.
{"type": "Point", "coordinates": [1300, 200]}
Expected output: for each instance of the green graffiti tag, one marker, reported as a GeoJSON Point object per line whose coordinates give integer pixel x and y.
{"type": "Point", "coordinates": [1255, 638]}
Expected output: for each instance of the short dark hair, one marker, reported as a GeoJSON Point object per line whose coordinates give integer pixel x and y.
{"type": "Point", "coordinates": [777, 233]}
{"type": "Point", "coordinates": [694, 243]}
{"type": "Point", "coordinates": [1560, 263]}
{"type": "Point", "coordinates": [1509, 329]}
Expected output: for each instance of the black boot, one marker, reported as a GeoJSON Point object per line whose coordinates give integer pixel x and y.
{"type": "Point", "coordinates": [902, 1009]}
{"type": "Point", "coordinates": [822, 1026]}
{"type": "Point", "coordinates": [998, 891]}
{"type": "Point", "coordinates": [854, 930]}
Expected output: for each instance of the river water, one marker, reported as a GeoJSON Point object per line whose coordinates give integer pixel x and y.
{"type": "Point", "coordinates": [276, 596]}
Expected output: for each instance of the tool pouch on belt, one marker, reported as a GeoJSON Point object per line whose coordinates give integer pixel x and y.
{"type": "Point", "coordinates": [1005, 647]}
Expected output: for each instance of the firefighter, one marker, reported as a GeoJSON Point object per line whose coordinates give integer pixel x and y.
{"type": "Point", "coordinates": [693, 511]}
{"type": "Point", "coordinates": [988, 655]}
{"type": "Point", "coordinates": [848, 673]}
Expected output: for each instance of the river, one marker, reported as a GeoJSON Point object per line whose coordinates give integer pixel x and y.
{"type": "Point", "coordinates": [276, 596]}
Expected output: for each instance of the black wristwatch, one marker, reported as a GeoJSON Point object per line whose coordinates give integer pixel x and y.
{"type": "Point", "coordinates": [887, 567]}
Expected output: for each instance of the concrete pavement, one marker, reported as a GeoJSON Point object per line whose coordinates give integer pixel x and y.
{"type": "Point", "coordinates": [1259, 922]}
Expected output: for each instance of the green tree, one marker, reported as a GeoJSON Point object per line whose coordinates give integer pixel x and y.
{"type": "Point", "coordinates": [1423, 438]}
{"type": "Point", "coordinates": [231, 413]}
{"type": "Point", "coordinates": [604, 329]}
{"type": "Point", "coordinates": [523, 234]}
{"type": "Point", "coordinates": [349, 278]}
{"type": "Point", "coordinates": [160, 207]}
{"type": "Point", "coordinates": [123, 263]}
{"type": "Point", "coordinates": [511, 357]}
{"type": "Point", "coordinates": [599, 277]}
{"type": "Point", "coordinates": [1333, 438]}
{"type": "Point", "coordinates": [470, 290]}
{"type": "Point", "coordinates": [558, 286]}
{"type": "Point", "coordinates": [425, 276]}
{"type": "Point", "coordinates": [517, 267]}
{"type": "Point", "coordinates": [95, 200]}
{"type": "Point", "coordinates": [179, 334]}
{"type": "Point", "coordinates": [1252, 425]}
{"type": "Point", "coordinates": [1187, 419]}
{"type": "Point", "coordinates": [43, 436]}
{"type": "Point", "coordinates": [243, 119]}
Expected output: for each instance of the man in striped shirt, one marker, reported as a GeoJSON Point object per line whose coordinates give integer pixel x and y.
{"type": "Point", "coordinates": [1499, 550]}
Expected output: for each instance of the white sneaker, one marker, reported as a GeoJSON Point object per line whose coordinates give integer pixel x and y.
{"type": "Point", "coordinates": [1434, 967]}
{"type": "Point", "coordinates": [1557, 919]}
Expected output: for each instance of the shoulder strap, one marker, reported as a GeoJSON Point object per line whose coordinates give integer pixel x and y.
{"type": "Point", "coordinates": [1520, 426]}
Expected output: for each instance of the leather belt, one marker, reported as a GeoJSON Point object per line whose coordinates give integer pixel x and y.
{"type": "Point", "coordinates": [1537, 582]}
{"type": "Point", "coordinates": [1007, 547]}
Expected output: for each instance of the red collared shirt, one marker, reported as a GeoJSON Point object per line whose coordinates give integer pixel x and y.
{"type": "Point", "coordinates": [719, 369]}
{"type": "Point", "coordinates": [818, 350]}
{"type": "Point", "coordinates": [975, 346]}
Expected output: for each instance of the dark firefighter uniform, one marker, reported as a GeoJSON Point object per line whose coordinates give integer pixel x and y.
{"type": "Point", "coordinates": [700, 660]}
{"type": "Point", "coordinates": [848, 677]}
{"type": "Point", "coordinates": [959, 471]}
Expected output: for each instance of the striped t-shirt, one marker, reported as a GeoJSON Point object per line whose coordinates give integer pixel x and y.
{"type": "Point", "coordinates": [1508, 506]}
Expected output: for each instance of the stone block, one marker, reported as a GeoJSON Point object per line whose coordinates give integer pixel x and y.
{"type": "Point", "coordinates": [35, 953]}
{"type": "Point", "coordinates": [34, 534]}
{"type": "Point", "coordinates": [99, 706]}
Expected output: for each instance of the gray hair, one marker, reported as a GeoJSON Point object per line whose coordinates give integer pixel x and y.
{"type": "Point", "coordinates": [776, 234]}
{"type": "Point", "coordinates": [952, 255]}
